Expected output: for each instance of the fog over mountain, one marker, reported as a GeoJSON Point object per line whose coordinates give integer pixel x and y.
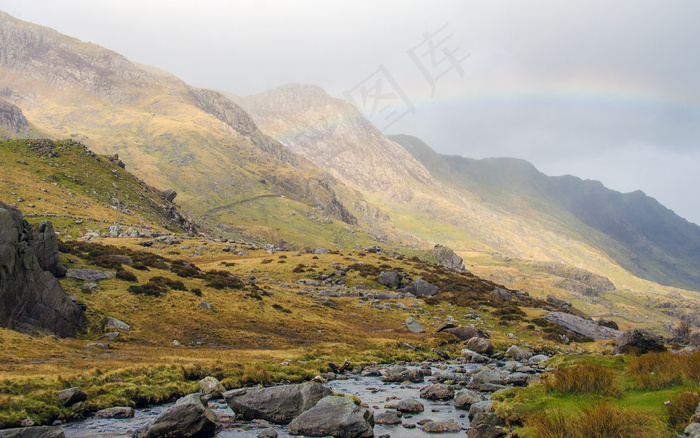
{"type": "Point", "coordinates": [602, 91]}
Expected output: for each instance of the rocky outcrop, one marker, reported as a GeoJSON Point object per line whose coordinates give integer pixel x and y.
{"type": "Point", "coordinates": [639, 341]}
{"type": "Point", "coordinates": [33, 432]}
{"type": "Point", "coordinates": [30, 295]}
{"type": "Point", "coordinates": [189, 417]}
{"type": "Point", "coordinates": [12, 118]}
{"type": "Point", "coordinates": [447, 258]}
{"type": "Point", "coordinates": [277, 404]}
{"type": "Point", "coordinates": [582, 327]}
{"type": "Point", "coordinates": [335, 416]}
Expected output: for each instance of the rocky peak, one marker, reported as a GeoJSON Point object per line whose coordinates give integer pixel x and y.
{"type": "Point", "coordinates": [335, 136]}
{"type": "Point", "coordinates": [66, 62]}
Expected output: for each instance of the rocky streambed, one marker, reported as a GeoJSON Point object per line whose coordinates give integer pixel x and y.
{"type": "Point", "coordinates": [404, 400]}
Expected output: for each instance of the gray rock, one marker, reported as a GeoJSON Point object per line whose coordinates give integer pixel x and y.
{"type": "Point", "coordinates": [98, 345]}
{"type": "Point", "coordinates": [390, 279]}
{"type": "Point", "coordinates": [30, 295]}
{"type": "Point", "coordinates": [33, 432]}
{"type": "Point", "coordinates": [466, 333]}
{"type": "Point", "coordinates": [582, 327]}
{"type": "Point", "coordinates": [211, 386]}
{"type": "Point", "coordinates": [335, 416]}
{"type": "Point", "coordinates": [130, 232]}
{"type": "Point", "coordinates": [320, 250]}
{"type": "Point", "coordinates": [483, 407]}
{"type": "Point", "coordinates": [71, 396]}
{"type": "Point", "coordinates": [437, 392]}
{"type": "Point", "coordinates": [169, 195]}
{"type": "Point", "coordinates": [204, 305]}
{"type": "Point", "coordinates": [115, 412]}
{"type": "Point", "coordinates": [114, 231]}
{"type": "Point", "coordinates": [91, 275]}
{"type": "Point", "coordinates": [441, 426]}
{"type": "Point", "coordinates": [447, 258]}
{"type": "Point", "coordinates": [484, 430]}
{"type": "Point", "coordinates": [564, 304]}
{"type": "Point", "coordinates": [117, 324]}
{"type": "Point", "coordinates": [474, 357]}
{"type": "Point", "coordinates": [518, 353]}
{"type": "Point", "coordinates": [466, 398]}
{"type": "Point", "coordinates": [692, 430]}
{"type": "Point", "coordinates": [445, 326]}
{"type": "Point", "coordinates": [424, 289]}
{"type": "Point", "coordinates": [90, 287]}
{"type": "Point", "coordinates": [413, 325]}
{"type": "Point", "coordinates": [501, 294]}
{"type": "Point", "coordinates": [480, 345]}
{"type": "Point", "coordinates": [388, 417]}
{"type": "Point", "coordinates": [402, 374]}
{"type": "Point", "coordinates": [639, 341]}
{"type": "Point", "coordinates": [410, 405]}
{"type": "Point", "coordinates": [189, 417]}
{"type": "Point", "coordinates": [277, 404]}
{"type": "Point", "coordinates": [538, 359]}
{"type": "Point", "coordinates": [487, 375]}
{"type": "Point", "coordinates": [268, 433]}
{"type": "Point", "coordinates": [517, 379]}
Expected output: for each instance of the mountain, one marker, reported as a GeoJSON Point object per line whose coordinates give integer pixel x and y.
{"type": "Point", "coordinates": [653, 242]}
{"type": "Point", "coordinates": [194, 141]}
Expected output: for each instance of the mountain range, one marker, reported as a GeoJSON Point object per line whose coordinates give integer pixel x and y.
{"type": "Point", "coordinates": [298, 167]}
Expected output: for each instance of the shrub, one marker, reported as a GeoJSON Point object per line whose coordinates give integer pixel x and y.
{"type": "Point", "coordinates": [196, 291]}
{"type": "Point", "coordinates": [681, 407]}
{"type": "Point", "coordinates": [223, 280]}
{"type": "Point", "coordinates": [299, 268]}
{"type": "Point", "coordinates": [126, 275]}
{"type": "Point", "coordinates": [365, 269]}
{"type": "Point", "coordinates": [266, 261]}
{"type": "Point", "coordinates": [601, 421]}
{"type": "Point", "coordinates": [168, 283]}
{"type": "Point", "coordinates": [655, 371]}
{"type": "Point", "coordinates": [581, 380]}
{"type": "Point", "coordinates": [185, 270]}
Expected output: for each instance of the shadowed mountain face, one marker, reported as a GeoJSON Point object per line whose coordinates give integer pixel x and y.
{"type": "Point", "coordinates": [654, 243]}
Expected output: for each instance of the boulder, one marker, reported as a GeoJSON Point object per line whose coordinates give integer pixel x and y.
{"type": "Point", "coordinates": [473, 357]}
{"type": "Point", "coordinates": [33, 432]}
{"type": "Point", "coordinates": [277, 404]}
{"type": "Point", "coordinates": [564, 304]}
{"type": "Point", "coordinates": [500, 294]}
{"type": "Point", "coordinates": [410, 405]}
{"type": "Point", "coordinates": [388, 417]}
{"type": "Point", "coordinates": [169, 195]}
{"type": "Point", "coordinates": [484, 430]}
{"type": "Point", "coordinates": [483, 407]}
{"type": "Point", "coordinates": [581, 326]}
{"type": "Point", "coordinates": [117, 324]}
{"type": "Point", "coordinates": [335, 416]}
{"type": "Point", "coordinates": [91, 275]}
{"type": "Point", "coordinates": [424, 289]}
{"type": "Point", "coordinates": [30, 295]}
{"type": "Point", "coordinates": [441, 426]}
{"type": "Point", "coordinates": [639, 341]}
{"type": "Point", "coordinates": [437, 392]}
{"type": "Point", "coordinates": [480, 345]}
{"type": "Point", "coordinates": [115, 412]}
{"type": "Point", "coordinates": [71, 396]}
{"type": "Point", "coordinates": [390, 279]}
{"type": "Point", "coordinates": [402, 374]}
{"type": "Point", "coordinates": [445, 326]}
{"type": "Point", "coordinates": [320, 250]}
{"type": "Point", "coordinates": [608, 323]}
{"type": "Point", "coordinates": [188, 417]}
{"type": "Point", "coordinates": [413, 325]}
{"type": "Point", "coordinates": [466, 333]}
{"type": "Point", "coordinates": [466, 398]}
{"type": "Point", "coordinates": [204, 305]}
{"type": "Point", "coordinates": [518, 353]}
{"type": "Point", "coordinates": [123, 259]}
{"type": "Point", "coordinates": [447, 258]}
{"type": "Point", "coordinates": [211, 386]}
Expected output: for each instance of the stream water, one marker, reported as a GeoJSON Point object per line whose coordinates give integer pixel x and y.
{"type": "Point", "coordinates": [370, 390]}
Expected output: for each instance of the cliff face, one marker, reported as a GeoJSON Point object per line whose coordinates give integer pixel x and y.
{"type": "Point", "coordinates": [12, 118]}
{"type": "Point", "coordinates": [30, 295]}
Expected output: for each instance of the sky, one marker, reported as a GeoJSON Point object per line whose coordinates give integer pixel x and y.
{"type": "Point", "coordinates": [599, 89]}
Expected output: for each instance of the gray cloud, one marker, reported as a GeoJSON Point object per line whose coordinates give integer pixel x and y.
{"type": "Point", "coordinates": [603, 90]}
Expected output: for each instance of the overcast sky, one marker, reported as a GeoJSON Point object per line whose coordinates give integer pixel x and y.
{"type": "Point", "coordinates": [605, 90]}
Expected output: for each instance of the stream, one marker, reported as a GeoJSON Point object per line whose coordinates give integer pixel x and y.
{"type": "Point", "coordinates": [371, 390]}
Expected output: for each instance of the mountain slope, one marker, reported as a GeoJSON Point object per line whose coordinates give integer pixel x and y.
{"type": "Point", "coordinates": [653, 242]}
{"type": "Point", "coordinates": [195, 141]}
